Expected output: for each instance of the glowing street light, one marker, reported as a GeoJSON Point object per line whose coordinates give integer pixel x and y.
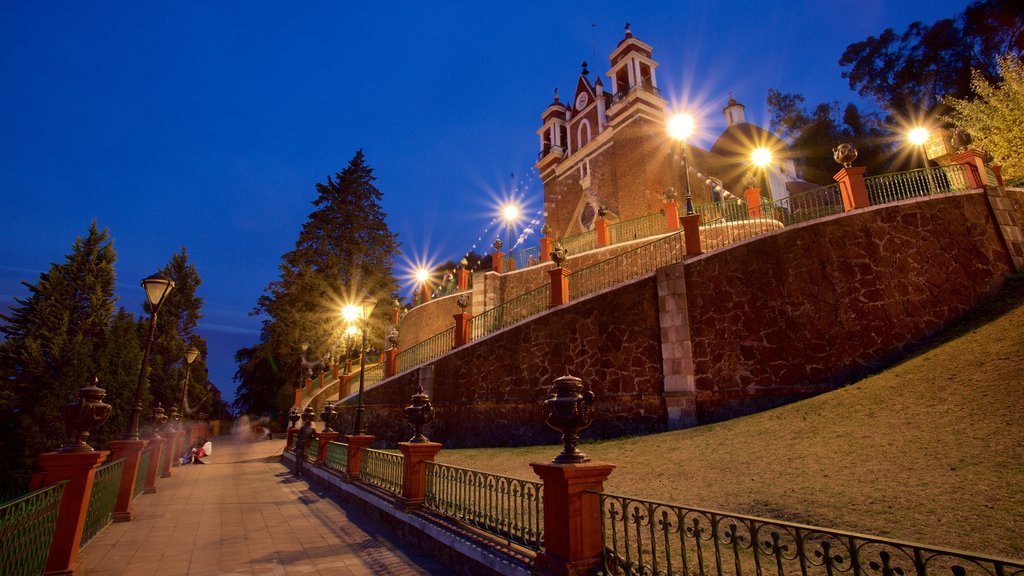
{"type": "Point", "coordinates": [157, 288]}
{"type": "Point", "coordinates": [510, 212]}
{"type": "Point", "coordinates": [191, 353]}
{"type": "Point", "coordinates": [680, 127]}
{"type": "Point", "coordinates": [364, 314]}
{"type": "Point", "coordinates": [918, 136]}
{"type": "Point", "coordinates": [761, 157]}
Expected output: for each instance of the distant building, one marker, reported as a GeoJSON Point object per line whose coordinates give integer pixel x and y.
{"type": "Point", "coordinates": [609, 148]}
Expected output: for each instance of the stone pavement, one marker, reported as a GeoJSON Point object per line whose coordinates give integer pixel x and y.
{"type": "Point", "coordinates": [243, 512]}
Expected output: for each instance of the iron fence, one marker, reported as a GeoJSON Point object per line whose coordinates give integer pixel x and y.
{"type": "Point", "coordinates": [26, 530]}
{"type": "Point", "coordinates": [580, 243]}
{"type": "Point", "coordinates": [337, 457]}
{"type": "Point", "coordinates": [637, 262]}
{"type": "Point", "coordinates": [140, 473]}
{"type": "Point", "coordinates": [991, 174]}
{"type": "Point", "coordinates": [644, 537]}
{"type": "Point", "coordinates": [312, 450]}
{"type": "Point", "coordinates": [374, 374]}
{"type": "Point", "coordinates": [381, 469]}
{"type": "Point", "coordinates": [509, 508]}
{"type": "Point", "coordinates": [523, 257]}
{"type": "Point", "coordinates": [102, 499]}
{"type": "Point", "coordinates": [436, 345]}
{"type": "Point", "coordinates": [637, 228]}
{"type": "Point", "coordinates": [887, 188]}
{"type": "Point", "coordinates": [530, 304]}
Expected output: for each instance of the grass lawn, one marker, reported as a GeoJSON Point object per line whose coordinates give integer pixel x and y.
{"type": "Point", "coordinates": [929, 451]}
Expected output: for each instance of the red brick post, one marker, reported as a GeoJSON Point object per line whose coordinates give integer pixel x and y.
{"type": "Point", "coordinates": [298, 397]}
{"type": "Point", "coordinates": [321, 386]}
{"type": "Point", "coordinates": [572, 518]}
{"type": "Point", "coordinates": [414, 476]}
{"type": "Point", "coordinates": [396, 311]}
{"type": "Point", "coordinates": [671, 216]}
{"type": "Point", "coordinates": [325, 439]}
{"type": "Point", "coordinates": [601, 225]}
{"type": "Point", "coordinates": [998, 171]}
{"type": "Point", "coordinates": [753, 198]}
{"type": "Point", "coordinates": [390, 362]}
{"type": "Point", "coordinates": [179, 448]}
{"type": "Point", "coordinates": [974, 164]}
{"type": "Point", "coordinates": [79, 469]}
{"type": "Point", "coordinates": [545, 249]}
{"type": "Point", "coordinates": [308, 390]}
{"type": "Point", "coordinates": [289, 435]}
{"type": "Point", "coordinates": [691, 234]}
{"type": "Point", "coordinates": [335, 370]}
{"type": "Point", "coordinates": [559, 286]}
{"type": "Point", "coordinates": [355, 445]}
{"type": "Point", "coordinates": [424, 293]}
{"type": "Point", "coordinates": [130, 450]}
{"type": "Point", "coordinates": [462, 329]}
{"type": "Point", "coordinates": [462, 278]}
{"type": "Point", "coordinates": [496, 262]}
{"type": "Point", "coordinates": [155, 462]}
{"type": "Point", "coordinates": [851, 185]}
{"type": "Point", "coordinates": [170, 458]}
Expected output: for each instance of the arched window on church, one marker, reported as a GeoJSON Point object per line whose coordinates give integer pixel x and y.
{"type": "Point", "coordinates": [583, 134]}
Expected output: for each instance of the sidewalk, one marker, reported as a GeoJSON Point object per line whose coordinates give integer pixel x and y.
{"type": "Point", "coordinates": [242, 514]}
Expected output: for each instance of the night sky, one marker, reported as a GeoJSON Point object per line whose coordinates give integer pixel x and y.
{"type": "Point", "coordinates": [207, 125]}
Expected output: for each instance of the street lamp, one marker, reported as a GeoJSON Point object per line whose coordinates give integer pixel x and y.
{"type": "Point", "coordinates": [918, 136]}
{"type": "Point", "coordinates": [350, 333]}
{"type": "Point", "coordinates": [157, 288]}
{"type": "Point", "coordinates": [365, 310]}
{"type": "Point", "coordinates": [680, 127]}
{"type": "Point", "coordinates": [762, 157]}
{"type": "Point", "coordinates": [510, 212]}
{"type": "Point", "coordinates": [190, 355]}
{"type": "Point", "coordinates": [422, 277]}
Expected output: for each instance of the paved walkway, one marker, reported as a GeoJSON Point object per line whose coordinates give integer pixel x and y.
{"type": "Point", "coordinates": [242, 514]}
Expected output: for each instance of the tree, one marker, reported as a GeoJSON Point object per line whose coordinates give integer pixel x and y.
{"type": "Point", "coordinates": [119, 365]}
{"type": "Point", "coordinates": [908, 74]}
{"type": "Point", "coordinates": [993, 118]}
{"type": "Point", "coordinates": [344, 253]}
{"type": "Point", "coordinates": [811, 136]}
{"type": "Point", "coordinates": [52, 341]}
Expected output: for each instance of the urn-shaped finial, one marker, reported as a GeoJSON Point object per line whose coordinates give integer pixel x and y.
{"type": "Point", "coordinates": [961, 139]}
{"type": "Point", "coordinates": [393, 338]}
{"type": "Point", "coordinates": [419, 414]}
{"type": "Point", "coordinates": [327, 417]}
{"type": "Point", "coordinates": [464, 263]}
{"type": "Point", "coordinates": [670, 194]}
{"type": "Point", "coordinates": [844, 154]}
{"type": "Point", "coordinates": [308, 416]}
{"type": "Point", "coordinates": [569, 410]}
{"type": "Point", "coordinates": [559, 254]}
{"type": "Point", "coordinates": [157, 419]}
{"type": "Point", "coordinates": [84, 415]}
{"type": "Point", "coordinates": [173, 419]}
{"type": "Point", "coordinates": [463, 301]}
{"type": "Point", "coordinates": [293, 416]}
{"type": "Point", "coordinates": [497, 244]}
{"type": "Point", "coordinates": [602, 211]}
{"type": "Point", "coordinates": [546, 230]}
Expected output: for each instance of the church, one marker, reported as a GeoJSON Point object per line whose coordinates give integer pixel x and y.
{"type": "Point", "coordinates": [609, 149]}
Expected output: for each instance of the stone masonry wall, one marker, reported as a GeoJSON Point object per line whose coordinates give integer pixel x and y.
{"type": "Point", "coordinates": [815, 306]}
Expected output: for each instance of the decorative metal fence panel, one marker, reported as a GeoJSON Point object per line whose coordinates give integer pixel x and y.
{"type": "Point", "coordinates": [313, 450]}
{"type": "Point", "coordinates": [637, 228]}
{"type": "Point", "coordinates": [26, 530]}
{"type": "Point", "coordinates": [436, 345]}
{"type": "Point", "coordinates": [374, 374]}
{"type": "Point", "coordinates": [580, 243]}
{"type": "Point", "coordinates": [381, 469]}
{"type": "Point", "coordinates": [520, 308]}
{"type": "Point", "coordinates": [888, 188]}
{"type": "Point", "coordinates": [991, 175]}
{"type": "Point", "coordinates": [643, 537]}
{"type": "Point", "coordinates": [337, 457]}
{"type": "Point", "coordinates": [626, 266]}
{"type": "Point", "coordinates": [140, 475]}
{"type": "Point", "coordinates": [162, 463]}
{"type": "Point", "coordinates": [102, 499]}
{"type": "Point", "coordinates": [507, 507]}
{"type": "Point", "coordinates": [523, 257]}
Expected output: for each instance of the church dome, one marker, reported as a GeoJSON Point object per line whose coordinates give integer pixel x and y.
{"type": "Point", "coordinates": [733, 150]}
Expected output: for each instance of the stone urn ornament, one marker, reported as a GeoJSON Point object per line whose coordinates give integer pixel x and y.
{"type": "Point", "coordinates": [293, 416]}
{"type": "Point", "coordinates": [602, 212]}
{"type": "Point", "coordinates": [845, 154]}
{"type": "Point", "coordinates": [157, 419]}
{"type": "Point", "coordinates": [497, 245]}
{"type": "Point", "coordinates": [83, 416]}
{"type": "Point", "coordinates": [464, 263]}
{"type": "Point", "coordinates": [961, 139]}
{"type": "Point", "coordinates": [327, 417]}
{"type": "Point", "coordinates": [419, 414]}
{"type": "Point", "coordinates": [670, 194]}
{"type": "Point", "coordinates": [569, 410]}
{"type": "Point", "coordinates": [393, 337]}
{"type": "Point", "coordinates": [173, 420]}
{"type": "Point", "coordinates": [559, 254]}
{"type": "Point", "coordinates": [463, 301]}
{"type": "Point", "coordinates": [546, 230]}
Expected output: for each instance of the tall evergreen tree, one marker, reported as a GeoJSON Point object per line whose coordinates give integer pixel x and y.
{"type": "Point", "coordinates": [344, 253]}
{"type": "Point", "coordinates": [52, 341]}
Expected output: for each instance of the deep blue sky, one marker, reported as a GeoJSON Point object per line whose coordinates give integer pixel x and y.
{"type": "Point", "coordinates": [207, 125]}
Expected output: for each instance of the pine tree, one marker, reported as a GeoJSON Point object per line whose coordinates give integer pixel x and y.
{"type": "Point", "coordinates": [344, 253]}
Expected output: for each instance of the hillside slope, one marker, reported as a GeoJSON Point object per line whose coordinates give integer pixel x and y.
{"type": "Point", "coordinates": [931, 450]}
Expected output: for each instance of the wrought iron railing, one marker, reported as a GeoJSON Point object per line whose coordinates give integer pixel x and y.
{"type": "Point", "coordinates": [520, 308]}
{"type": "Point", "coordinates": [381, 469]}
{"type": "Point", "coordinates": [102, 499]}
{"type": "Point", "coordinates": [642, 87]}
{"type": "Point", "coordinates": [580, 243]}
{"type": "Point", "coordinates": [509, 508]}
{"type": "Point", "coordinates": [162, 463]}
{"type": "Point", "coordinates": [140, 474]}
{"type": "Point", "coordinates": [337, 457]}
{"type": "Point", "coordinates": [644, 537]}
{"type": "Point", "coordinates": [312, 450]}
{"type": "Point", "coordinates": [637, 228]}
{"type": "Point", "coordinates": [523, 257]}
{"type": "Point", "coordinates": [637, 262]}
{"type": "Point", "coordinates": [991, 175]}
{"type": "Point", "coordinates": [887, 188]}
{"type": "Point", "coordinates": [26, 530]}
{"type": "Point", "coordinates": [436, 345]}
{"type": "Point", "coordinates": [374, 374]}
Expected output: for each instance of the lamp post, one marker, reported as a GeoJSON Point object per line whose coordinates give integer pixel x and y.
{"type": "Point", "coordinates": [350, 332]}
{"type": "Point", "coordinates": [190, 355]}
{"type": "Point", "coordinates": [510, 212]}
{"type": "Point", "coordinates": [423, 279]}
{"type": "Point", "coordinates": [762, 158]}
{"type": "Point", "coordinates": [364, 312]}
{"type": "Point", "coordinates": [157, 288]}
{"type": "Point", "coordinates": [918, 136]}
{"type": "Point", "coordinates": [680, 127]}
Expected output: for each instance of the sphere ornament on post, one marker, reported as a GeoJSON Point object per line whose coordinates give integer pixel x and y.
{"type": "Point", "coordinates": [327, 417]}
{"type": "Point", "coordinates": [419, 414]}
{"type": "Point", "coordinates": [84, 415]}
{"type": "Point", "coordinates": [293, 416]}
{"type": "Point", "coordinates": [157, 419]}
{"type": "Point", "coordinates": [463, 301]}
{"type": "Point", "coordinates": [559, 254]}
{"type": "Point", "coordinates": [569, 410]}
{"type": "Point", "coordinates": [670, 194]}
{"type": "Point", "coordinates": [845, 154]}
{"type": "Point", "coordinates": [393, 338]}
{"type": "Point", "coordinates": [171, 423]}
{"type": "Point", "coordinates": [497, 244]}
{"type": "Point", "coordinates": [308, 416]}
